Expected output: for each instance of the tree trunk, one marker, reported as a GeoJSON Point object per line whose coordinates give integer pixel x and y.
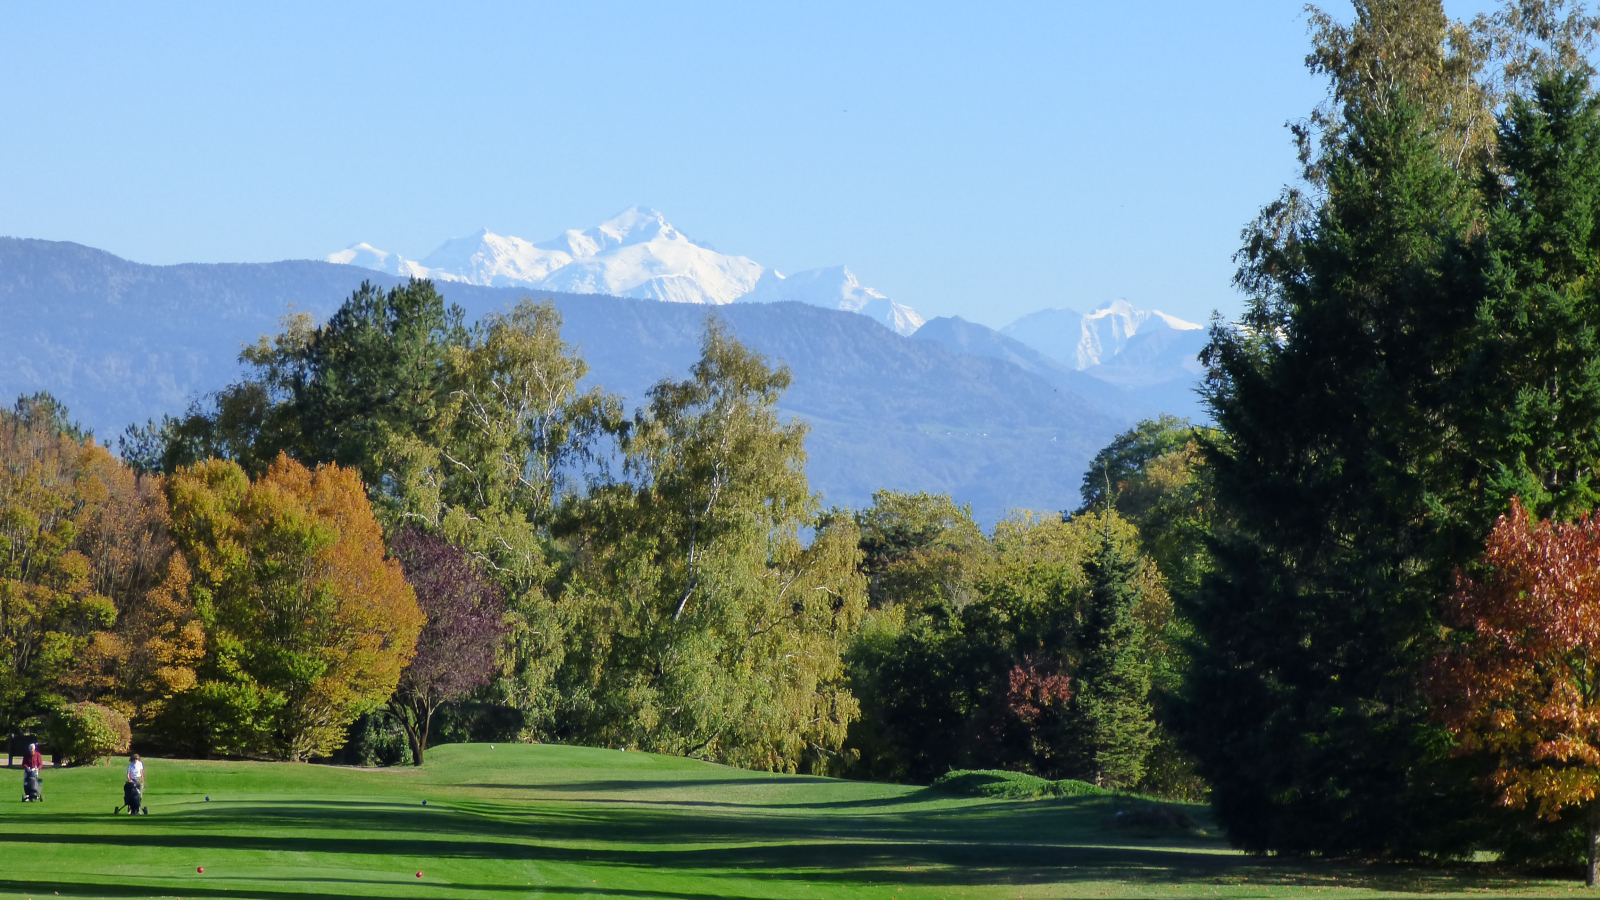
{"type": "Point", "coordinates": [408, 721]}
{"type": "Point", "coordinates": [1591, 875]}
{"type": "Point", "coordinates": [421, 745]}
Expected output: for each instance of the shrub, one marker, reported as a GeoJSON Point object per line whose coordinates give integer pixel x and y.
{"type": "Point", "coordinates": [1011, 785]}
{"type": "Point", "coordinates": [1151, 818]}
{"type": "Point", "coordinates": [375, 739]}
{"type": "Point", "coordinates": [85, 733]}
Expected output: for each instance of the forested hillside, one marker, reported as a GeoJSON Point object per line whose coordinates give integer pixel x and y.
{"type": "Point", "coordinates": [121, 343]}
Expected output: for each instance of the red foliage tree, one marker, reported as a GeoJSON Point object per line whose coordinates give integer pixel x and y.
{"type": "Point", "coordinates": [1521, 678]}
{"type": "Point", "coordinates": [457, 649]}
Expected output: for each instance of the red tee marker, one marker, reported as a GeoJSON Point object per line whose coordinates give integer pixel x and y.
{"type": "Point", "coordinates": [200, 869]}
{"type": "Point", "coordinates": [419, 874]}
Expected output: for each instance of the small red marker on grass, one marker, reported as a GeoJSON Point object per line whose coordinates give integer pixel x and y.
{"type": "Point", "coordinates": [419, 873]}
{"type": "Point", "coordinates": [200, 869]}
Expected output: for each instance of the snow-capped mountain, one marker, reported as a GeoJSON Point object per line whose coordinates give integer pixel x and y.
{"type": "Point", "coordinates": [1083, 341]}
{"type": "Point", "coordinates": [834, 288]}
{"type": "Point", "coordinates": [637, 253]}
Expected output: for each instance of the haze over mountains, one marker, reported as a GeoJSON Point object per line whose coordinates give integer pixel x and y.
{"type": "Point", "coordinates": [999, 420]}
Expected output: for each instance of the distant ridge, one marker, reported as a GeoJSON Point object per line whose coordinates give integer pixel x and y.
{"type": "Point", "coordinates": [120, 342]}
{"type": "Point", "coordinates": [1155, 372]}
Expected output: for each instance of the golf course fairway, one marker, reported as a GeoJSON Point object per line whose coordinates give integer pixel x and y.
{"type": "Point", "coordinates": [516, 821]}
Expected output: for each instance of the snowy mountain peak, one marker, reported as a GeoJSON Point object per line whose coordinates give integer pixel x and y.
{"type": "Point", "coordinates": [1084, 340]}
{"type": "Point", "coordinates": [1174, 322]}
{"type": "Point", "coordinates": [363, 254]}
{"type": "Point", "coordinates": [835, 287]}
{"type": "Point", "coordinates": [637, 225]}
{"type": "Point", "coordinates": [636, 253]}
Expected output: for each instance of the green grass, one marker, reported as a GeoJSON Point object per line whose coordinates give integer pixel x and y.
{"type": "Point", "coordinates": [541, 821]}
{"type": "Point", "coordinates": [1002, 785]}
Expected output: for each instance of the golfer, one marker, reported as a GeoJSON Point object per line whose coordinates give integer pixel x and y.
{"type": "Point", "coordinates": [133, 788]}
{"type": "Point", "coordinates": [32, 762]}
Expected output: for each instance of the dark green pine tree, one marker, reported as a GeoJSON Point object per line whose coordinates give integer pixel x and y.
{"type": "Point", "coordinates": [375, 370]}
{"type": "Point", "coordinates": [1533, 385]}
{"type": "Point", "coordinates": [1111, 711]}
{"type": "Point", "coordinates": [1336, 402]}
{"type": "Point", "coordinates": [1420, 349]}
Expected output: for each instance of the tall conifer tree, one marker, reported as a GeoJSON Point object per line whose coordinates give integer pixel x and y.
{"type": "Point", "coordinates": [1305, 713]}
{"type": "Point", "coordinates": [1112, 704]}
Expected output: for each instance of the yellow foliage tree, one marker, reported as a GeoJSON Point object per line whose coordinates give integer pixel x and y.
{"type": "Point", "coordinates": [93, 600]}
{"type": "Point", "coordinates": [308, 623]}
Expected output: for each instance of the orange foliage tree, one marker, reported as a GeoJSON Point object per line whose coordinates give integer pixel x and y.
{"type": "Point", "coordinates": [1520, 680]}
{"type": "Point", "coordinates": [93, 599]}
{"type": "Point", "coordinates": [308, 624]}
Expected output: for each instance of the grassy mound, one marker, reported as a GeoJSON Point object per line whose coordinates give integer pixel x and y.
{"type": "Point", "coordinates": [1011, 785]}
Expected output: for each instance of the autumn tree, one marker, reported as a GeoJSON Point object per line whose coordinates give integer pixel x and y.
{"type": "Point", "coordinates": [308, 625]}
{"type": "Point", "coordinates": [1518, 682]}
{"type": "Point", "coordinates": [458, 646]}
{"type": "Point", "coordinates": [93, 600]}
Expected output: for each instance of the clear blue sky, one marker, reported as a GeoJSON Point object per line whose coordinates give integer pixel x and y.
{"type": "Point", "coordinates": [982, 160]}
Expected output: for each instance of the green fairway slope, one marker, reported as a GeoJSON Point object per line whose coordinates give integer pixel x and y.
{"type": "Point", "coordinates": [542, 821]}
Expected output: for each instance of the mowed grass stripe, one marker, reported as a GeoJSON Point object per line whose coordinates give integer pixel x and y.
{"type": "Point", "coordinates": [545, 821]}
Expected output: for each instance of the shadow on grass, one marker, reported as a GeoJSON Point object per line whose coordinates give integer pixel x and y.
{"type": "Point", "coordinates": [422, 890]}
{"type": "Point", "coordinates": [919, 796]}
{"type": "Point", "coordinates": [1021, 843]}
{"type": "Point", "coordinates": [656, 784]}
{"type": "Point", "coordinates": [912, 863]}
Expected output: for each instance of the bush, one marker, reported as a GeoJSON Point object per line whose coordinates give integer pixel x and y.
{"type": "Point", "coordinates": [375, 739]}
{"type": "Point", "coordinates": [1152, 818]}
{"type": "Point", "coordinates": [1011, 785]}
{"type": "Point", "coordinates": [85, 733]}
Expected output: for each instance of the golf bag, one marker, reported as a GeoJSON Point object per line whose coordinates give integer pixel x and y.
{"type": "Point", "coordinates": [30, 786]}
{"type": "Point", "coordinates": [133, 797]}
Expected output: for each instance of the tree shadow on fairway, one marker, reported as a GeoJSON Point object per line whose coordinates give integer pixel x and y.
{"type": "Point", "coordinates": [929, 865]}
{"type": "Point", "coordinates": [979, 843]}
{"type": "Point", "coordinates": [69, 889]}
{"type": "Point", "coordinates": [656, 784]}
{"type": "Point", "coordinates": [919, 796]}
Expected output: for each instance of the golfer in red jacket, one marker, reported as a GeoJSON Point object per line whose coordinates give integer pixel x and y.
{"type": "Point", "coordinates": [32, 762]}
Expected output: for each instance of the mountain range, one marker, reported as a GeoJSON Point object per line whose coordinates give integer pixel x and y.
{"type": "Point", "coordinates": [636, 253]}
{"type": "Point", "coordinates": [999, 419]}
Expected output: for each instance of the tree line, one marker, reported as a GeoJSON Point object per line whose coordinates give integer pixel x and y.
{"type": "Point", "coordinates": [398, 528]}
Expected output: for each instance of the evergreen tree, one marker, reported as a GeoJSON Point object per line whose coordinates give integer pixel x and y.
{"type": "Point", "coordinates": [343, 392]}
{"type": "Point", "coordinates": [1112, 712]}
{"type": "Point", "coordinates": [1304, 708]}
{"type": "Point", "coordinates": [1532, 388]}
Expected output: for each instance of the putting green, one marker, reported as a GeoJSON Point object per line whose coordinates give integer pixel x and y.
{"type": "Point", "coordinates": [543, 821]}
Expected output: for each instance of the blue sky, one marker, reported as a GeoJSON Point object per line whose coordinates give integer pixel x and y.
{"type": "Point", "coordinates": [982, 160]}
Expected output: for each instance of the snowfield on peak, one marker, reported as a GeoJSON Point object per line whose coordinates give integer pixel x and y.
{"type": "Point", "coordinates": [1083, 341]}
{"type": "Point", "coordinates": [636, 253]}
{"type": "Point", "coordinates": [834, 288]}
